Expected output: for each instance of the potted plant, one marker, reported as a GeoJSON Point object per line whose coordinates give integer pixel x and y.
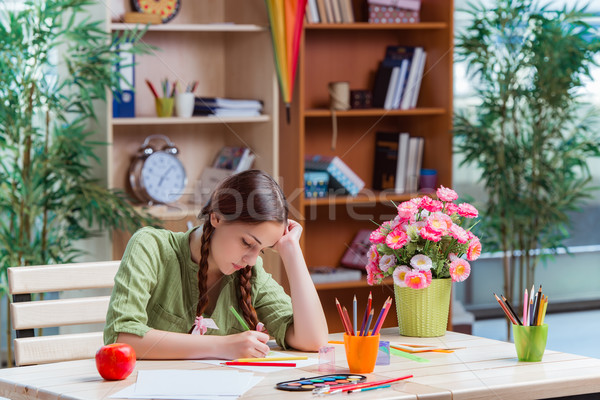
{"type": "Point", "coordinates": [49, 198]}
{"type": "Point", "coordinates": [422, 249]}
{"type": "Point", "coordinates": [529, 134]}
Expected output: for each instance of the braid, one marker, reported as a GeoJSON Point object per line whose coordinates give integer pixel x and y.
{"type": "Point", "coordinates": [203, 268]}
{"type": "Point", "coordinates": [245, 298]}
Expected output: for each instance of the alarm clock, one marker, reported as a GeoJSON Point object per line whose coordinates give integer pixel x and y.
{"type": "Point", "coordinates": [157, 176]}
{"type": "Point", "coordinates": [165, 9]}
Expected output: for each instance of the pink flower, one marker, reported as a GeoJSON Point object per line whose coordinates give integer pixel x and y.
{"type": "Point", "coordinates": [459, 270]}
{"type": "Point", "coordinates": [373, 254]}
{"type": "Point", "coordinates": [396, 239]}
{"type": "Point", "coordinates": [373, 268]}
{"type": "Point", "coordinates": [399, 275]}
{"type": "Point", "coordinates": [468, 211]}
{"type": "Point", "coordinates": [451, 208]}
{"type": "Point", "coordinates": [374, 274]}
{"type": "Point", "coordinates": [430, 235]}
{"type": "Point", "coordinates": [459, 234]}
{"type": "Point", "coordinates": [431, 205]}
{"type": "Point", "coordinates": [407, 209]}
{"type": "Point", "coordinates": [446, 194]}
{"type": "Point", "coordinates": [377, 236]}
{"type": "Point", "coordinates": [439, 223]}
{"type": "Point", "coordinates": [474, 250]}
{"type": "Point", "coordinates": [421, 262]}
{"type": "Point", "coordinates": [417, 279]}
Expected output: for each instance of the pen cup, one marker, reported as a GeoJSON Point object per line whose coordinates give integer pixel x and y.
{"type": "Point", "coordinates": [164, 106]}
{"type": "Point", "coordinates": [361, 353]}
{"type": "Point", "coordinates": [530, 341]}
{"type": "Point", "coordinates": [184, 104]}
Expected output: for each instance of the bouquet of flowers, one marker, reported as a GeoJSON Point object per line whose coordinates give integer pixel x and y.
{"type": "Point", "coordinates": [425, 241]}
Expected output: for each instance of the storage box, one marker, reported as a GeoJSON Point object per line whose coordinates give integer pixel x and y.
{"type": "Point", "coordinates": [391, 15]}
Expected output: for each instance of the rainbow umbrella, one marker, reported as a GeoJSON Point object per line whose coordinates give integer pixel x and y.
{"type": "Point", "coordinates": [286, 18]}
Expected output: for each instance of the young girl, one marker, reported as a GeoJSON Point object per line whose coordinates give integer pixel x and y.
{"type": "Point", "coordinates": [172, 283]}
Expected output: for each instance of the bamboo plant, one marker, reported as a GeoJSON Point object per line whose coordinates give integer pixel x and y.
{"type": "Point", "coordinates": [531, 134]}
{"type": "Point", "coordinates": [49, 197]}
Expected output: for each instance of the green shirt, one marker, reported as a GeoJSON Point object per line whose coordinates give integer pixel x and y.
{"type": "Point", "coordinates": [156, 288]}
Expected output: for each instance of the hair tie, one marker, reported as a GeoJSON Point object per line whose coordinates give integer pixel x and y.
{"type": "Point", "coordinates": [199, 326]}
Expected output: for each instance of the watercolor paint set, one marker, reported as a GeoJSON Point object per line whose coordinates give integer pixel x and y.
{"type": "Point", "coordinates": [321, 381]}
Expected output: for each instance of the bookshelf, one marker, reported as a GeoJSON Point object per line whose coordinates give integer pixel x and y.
{"type": "Point", "coordinates": [226, 46]}
{"type": "Point", "coordinates": [352, 52]}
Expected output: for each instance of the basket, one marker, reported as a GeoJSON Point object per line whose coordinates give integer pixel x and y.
{"type": "Point", "coordinates": [423, 312]}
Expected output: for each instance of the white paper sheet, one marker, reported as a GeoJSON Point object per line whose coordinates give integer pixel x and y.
{"type": "Point", "coordinates": [189, 384]}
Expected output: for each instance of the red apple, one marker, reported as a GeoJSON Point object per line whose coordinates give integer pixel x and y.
{"type": "Point", "coordinates": [115, 361]}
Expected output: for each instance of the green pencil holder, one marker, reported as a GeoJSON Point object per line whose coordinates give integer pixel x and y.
{"type": "Point", "coordinates": [164, 106]}
{"type": "Point", "coordinates": [530, 341]}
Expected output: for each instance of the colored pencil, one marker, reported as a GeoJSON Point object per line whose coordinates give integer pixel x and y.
{"type": "Point", "coordinates": [260, 364]}
{"type": "Point", "coordinates": [239, 318]}
{"type": "Point", "coordinates": [544, 311]}
{"type": "Point", "coordinates": [379, 316]}
{"type": "Point", "coordinates": [354, 386]}
{"type": "Point", "coordinates": [531, 304]}
{"type": "Point", "coordinates": [387, 306]}
{"type": "Point", "coordinates": [525, 303]}
{"type": "Point", "coordinates": [366, 332]}
{"type": "Point", "coordinates": [538, 297]}
{"type": "Point", "coordinates": [347, 317]}
{"type": "Point", "coordinates": [283, 358]}
{"type": "Point", "coordinates": [154, 93]}
{"type": "Point", "coordinates": [511, 310]}
{"type": "Point", "coordinates": [367, 311]}
{"type": "Point", "coordinates": [505, 309]}
{"type": "Point", "coordinates": [354, 317]}
{"type": "Point", "coordinates": [369, 388]}
{"type": "Point", "coordinates": [339, 308]}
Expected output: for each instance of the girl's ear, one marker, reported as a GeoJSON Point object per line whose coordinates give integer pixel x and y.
{"type": "Point", "coordinates": [215, 220]}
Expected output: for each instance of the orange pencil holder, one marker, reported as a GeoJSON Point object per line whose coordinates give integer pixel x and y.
{"type": "Point", "coordinates": [361, 353]}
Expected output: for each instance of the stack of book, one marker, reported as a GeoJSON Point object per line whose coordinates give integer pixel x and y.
{"type": "Point", "coordinates": [334, 274]}
{"type": "Point", "coordinates": [398, 78]}
{"type": "Point", "coordinates": [329, 11]}
{"type": "Point", "coordinates": [398, 160]}
{"type": "Point", "coordinates": [341, 176]}
{"type": "Point", "coordinates": [223, 107]}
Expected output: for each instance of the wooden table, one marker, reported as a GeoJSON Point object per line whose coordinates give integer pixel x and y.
{"type": "Point", "coordinates": [484, 369]}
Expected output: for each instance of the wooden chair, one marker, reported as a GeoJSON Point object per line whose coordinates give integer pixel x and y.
{"type": "Point", "coordinates": [27, 315]}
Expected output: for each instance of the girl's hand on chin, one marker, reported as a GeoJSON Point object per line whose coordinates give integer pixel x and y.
{"type": "Point", "coordinates": [248, 344]}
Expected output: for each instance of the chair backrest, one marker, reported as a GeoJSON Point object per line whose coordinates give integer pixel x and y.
{"type": "Point", "coordinates": [27, 315]}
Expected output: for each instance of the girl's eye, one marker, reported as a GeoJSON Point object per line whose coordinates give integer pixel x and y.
{"type": "Point", "coordinates": [246, 243]}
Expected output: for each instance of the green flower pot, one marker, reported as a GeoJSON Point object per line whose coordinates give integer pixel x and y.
{"type": "Point", "coordinates": [423, 312]}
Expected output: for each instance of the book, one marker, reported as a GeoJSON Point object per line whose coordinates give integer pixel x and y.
{"type": "Point", "coordinates": [322, 11]}
{"type": "Point", "coordinates": [412, 78]}
{"type": "Point", "coordinates": [314, 16]}
{"type": "Point", "coordinates": [386, 159]}
{"type": "Point", "coordinates": [402, 165]}
{"type": "Point", "coordinates": [342, 177]}
{"type": "Point", "coordinates": [334, 274]}
{"type": "Point", "coordinates": [380, 87]}
{"type": "Point", "coordinates": [413, 166]}
{"type": "Point", "coordinates": [315, 184]}
{"type": "Point", "coordinates": [391, 89]}
{"type": "Point", "coordinates": [400, 85]}
{"type": "Point", "coordinates": [221, 102]}
{"type": "Point", "coordinates": [235, 158]}
{"type": "Point", "coordinates": [347, 11]}
{"type": "Point", "coordinates": [225, 112]}
{"type": "Point", "coordinates": [417, 86]}
{"type": "Point", "coordinates": [337, 12]}
{"type": "Point", "coordinates": [414, 5]}
{"type": "Point", "coordinates": [356, 255]}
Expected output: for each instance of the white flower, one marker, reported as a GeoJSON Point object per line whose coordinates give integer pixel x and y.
{"type": "Point", "coordinates": [399, 274]}
{"type": "Point", "coordinates": [386, 262]}
{"type": "Point", "coordinates": [421, 262]}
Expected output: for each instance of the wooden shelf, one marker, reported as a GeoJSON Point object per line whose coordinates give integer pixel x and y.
{"type": "Point", "coordinates": [363, 197]}
{"type": "Point", "coordinates": [352, 284]}
{"type": "Point", "coordinates": [374, 112]}
{"type": "Point", "coordinates": [217, 27]}
{"type": "Point", "coordinates": [189, 121]}
{"type": "Point", "coordinates": [371, 27]}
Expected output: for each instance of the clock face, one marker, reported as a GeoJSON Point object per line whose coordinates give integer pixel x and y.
{"type": "Point", "coordinates": [163, 177]}
{"type": "Point", "coordinates": [166, 9]}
